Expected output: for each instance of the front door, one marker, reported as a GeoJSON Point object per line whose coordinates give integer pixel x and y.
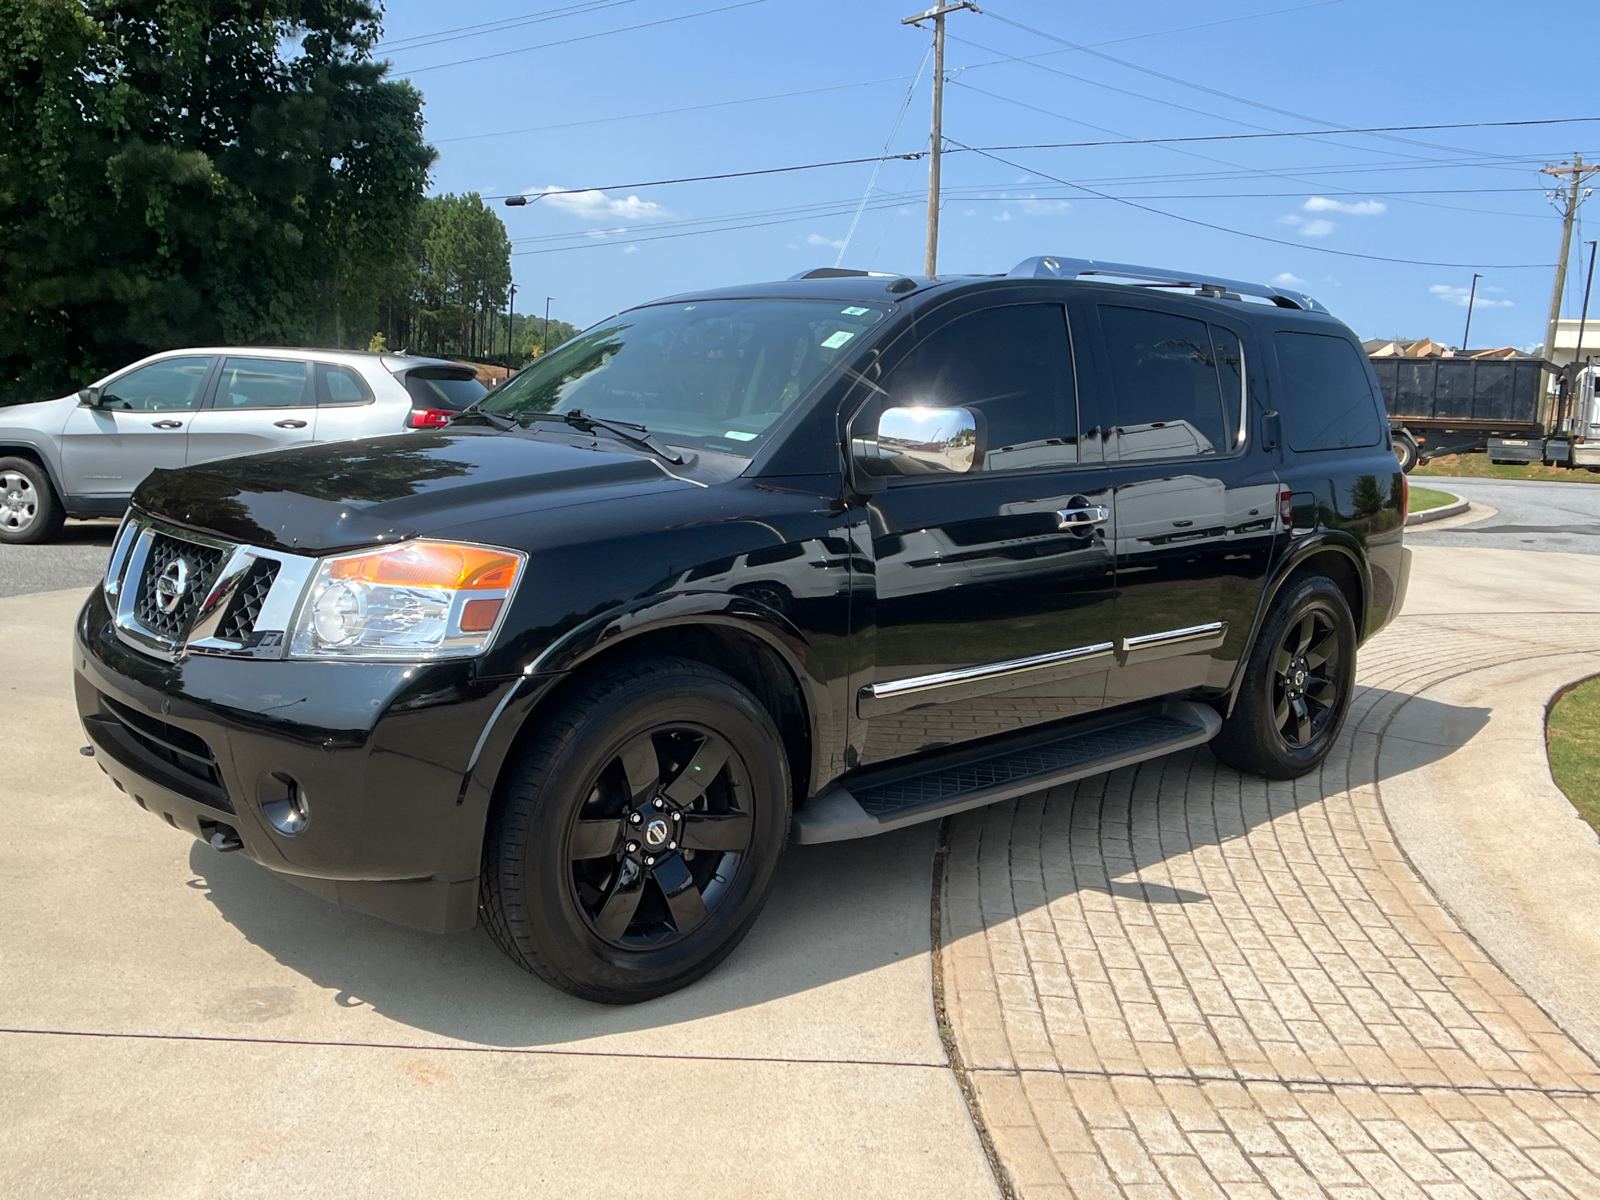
{"type": "Point", "coordinates": [1195, 503]}
{"type": "Point", "coordinates": [990, 602]}
{"type": "Point", "coordinates": [142, 423]}
{"type": "Point", "coordinates": [258, 404]}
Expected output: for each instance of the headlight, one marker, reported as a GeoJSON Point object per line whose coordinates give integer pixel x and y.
{"type": "Point", "coordinates": [418, 600]}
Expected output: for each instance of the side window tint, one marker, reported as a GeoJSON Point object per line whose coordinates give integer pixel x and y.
{"type": "Point", "coordinates": [340, 385]}
{"type": "Point", "coordinates": [1012, 364]}
{"type": "Point", "coordinates": [261, 383]}
{"type": "Point", "coordinates": [1235, 381]}
{"type": "Point", "coordinates": [1328, 402]}
{"type": "Point", "coordinates": [1164, 380]}
{"type": "Point", "coordinates": [172, 385]}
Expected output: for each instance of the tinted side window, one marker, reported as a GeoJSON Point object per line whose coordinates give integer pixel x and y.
{"type": "Point", "coordinates": [1328, 402]}
{"type": "Point", "coordinates": [168, 386]}
{"type": "Point", "coordinates": [428, 391]}
{"type": "Point", "coordinates": [1164, 380]}
{"type": "Point", "coordinates": [262, 383]}
{"type": "Point", "coordinates": [1012, 364]}
{"type": "Point", "coordinates": [340, 385]}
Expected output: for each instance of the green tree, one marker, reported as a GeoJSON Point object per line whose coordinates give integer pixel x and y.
{"type": "Point", "coordinates": [177, 172]}
{"type": "Point", "coordinates": [451, 296]}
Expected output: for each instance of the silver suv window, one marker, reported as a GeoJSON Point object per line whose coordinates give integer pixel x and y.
{"type": "Point", "coordinates": [261, 383]}
{"type": "Point", "coordinates": [171, 385]}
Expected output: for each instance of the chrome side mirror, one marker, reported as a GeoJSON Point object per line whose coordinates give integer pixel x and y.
{"type": "Point", "coordinates": [89, 397]}
{"type": "Point", "coordinates": [923, 441]}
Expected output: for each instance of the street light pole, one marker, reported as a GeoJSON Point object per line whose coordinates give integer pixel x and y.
{"type": "Point", "coordinates": [544, 338]}
{"type": "Point", "coordinates": [511, 324]}
{"type": "Point", "coordinates": [1471, 296]}
{"type": "Point", "coordinates": [937, 13]}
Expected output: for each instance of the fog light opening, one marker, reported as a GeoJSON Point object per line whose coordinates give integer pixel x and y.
{"type": "Point", "coordinates": [284, 805]}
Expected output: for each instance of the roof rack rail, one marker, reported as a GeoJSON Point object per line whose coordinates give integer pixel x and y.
{"type": "Point", "coordinates": [1053, 267]}
{"type": "Point", "coordinates": [842, 273]}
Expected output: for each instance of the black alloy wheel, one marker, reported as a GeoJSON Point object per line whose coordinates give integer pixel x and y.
{"type": "Point", "coordinates": [1305, 680]}
{"type": "Point", "coordinates": [634, 837]}
{"type": "Point", "coordinates": [1297, 684]}
{"type": "Point", "coordinates": [659, 841]}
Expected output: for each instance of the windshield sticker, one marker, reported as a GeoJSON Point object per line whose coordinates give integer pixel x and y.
{"type": "Point", "coordinates": [854, 312]}
{"type": "Point", "coordinates": [836, 340]}
{"type": "Point", "coordinates": [738, 435]}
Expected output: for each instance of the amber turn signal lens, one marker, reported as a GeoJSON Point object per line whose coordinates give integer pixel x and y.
{"type": "Point", "coordinates": [478, 616]}
{"type": "Point", "coordinates": [433, 564]}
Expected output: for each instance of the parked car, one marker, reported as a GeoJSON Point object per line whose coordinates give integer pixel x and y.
{"type": "Point", "coordinates": [82, 455]}
{"type": "Point", "coordinates": [809, 560]}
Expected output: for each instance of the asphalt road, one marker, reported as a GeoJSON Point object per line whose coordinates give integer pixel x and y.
{"type": "Point", "coordinates": [1532, 515]}
{"type": "Point", "coordinates": [76, 559]}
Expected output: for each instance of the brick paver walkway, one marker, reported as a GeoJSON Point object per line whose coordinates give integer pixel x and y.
{"type": "Point", "coordinates": [1174, 980]}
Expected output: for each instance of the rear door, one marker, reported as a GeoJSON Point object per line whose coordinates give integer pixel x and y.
{"type": "Point", "coordinates": [1195, 504]}
{"type": "Point", "coordinates": [142, 423]}
{"type": "Point", "coordinates": [256, 404]}
{"type": "Point", "coordinates": [988, 610]}
{"type": "Point", "coordinates": [346, 407]}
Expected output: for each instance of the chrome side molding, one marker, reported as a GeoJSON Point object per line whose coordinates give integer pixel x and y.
{"type": "Point", "coordinates": [1148, 647]}
{"type": "Point", "coordinates": [878, 699]}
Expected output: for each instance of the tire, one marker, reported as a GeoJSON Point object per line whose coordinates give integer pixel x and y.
{"type": "Point", "coordinates": [1306, 651]}
{"type": "Point", "coordinates": [1405, 450]}
{"type": "Point", "coordinates": [29, 509]}
{"type": "Point", "coordinates": [570, 888]}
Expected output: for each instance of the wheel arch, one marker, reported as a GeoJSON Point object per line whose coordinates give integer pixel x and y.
{"type": "Point", "coordinates": [1333, 554]}
{"type": "Point", "coordinates": [13, 447]}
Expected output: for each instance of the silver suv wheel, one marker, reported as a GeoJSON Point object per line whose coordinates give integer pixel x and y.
{"type": "Point", "coordinates": [19, 502]}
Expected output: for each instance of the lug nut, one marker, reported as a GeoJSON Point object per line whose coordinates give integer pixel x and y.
{"type": "Point", "coordinates": [658, 802]}
{"type": "Point", "coordinates": [672, 845]}
{"type": "Point", "coordinates": [634, 819]}
{"type": "Point", "coordinates": [633, 847]}
{"type": "Point", "coordinates": [649, 862]}
{"type": "Point", "coordinates": [677, 816]}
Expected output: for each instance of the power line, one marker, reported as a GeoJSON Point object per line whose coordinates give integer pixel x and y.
{"type": "Point", "coordinates": [479, 58]}
{"type": "Point", "coordinates": [503, 26]}
{"type": "Point", "coordinates": [1411, 262]}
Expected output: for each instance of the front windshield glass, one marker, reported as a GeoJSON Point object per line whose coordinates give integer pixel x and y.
{"type": "Point", "coordinates": [715, 374]}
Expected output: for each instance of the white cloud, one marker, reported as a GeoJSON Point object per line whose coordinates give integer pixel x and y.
{"type": "Point", "coordinates": [1460, 295]}
{"type": "Point", "coordinates": [597, 205]}
{"type": "Point", "coordinates": [1287, 279]}
{"type": "Point", "coordinates": [630, 248]}
{"type": "Point", "coordinates": [969, 212]}
{"type": "Point", "coordinates": [1308, 226]}
{"type": "Point", "coordinates": [816, 239]}
{"type": "Point", "coordinates": [1358, 208]}
{"type": "Point", "coordinates": [1035, 207]}
{"type": "Point", "coordinates": [1003, 215]}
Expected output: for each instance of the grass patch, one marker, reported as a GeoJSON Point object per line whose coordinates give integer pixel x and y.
{"type": "Point", "coordinates": [1478, 466]}
{"type": "Point", "coordinates": [1422, 499]}
{"type": "Point", "coordinates": [1572, 736]}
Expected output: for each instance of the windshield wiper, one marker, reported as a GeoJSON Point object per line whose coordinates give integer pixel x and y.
{"type": "Point", "coordinates": [489, 418]}
{"type": "Point", "coordinates": [638, 435]}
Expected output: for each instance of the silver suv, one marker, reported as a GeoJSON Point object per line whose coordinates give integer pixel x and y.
{"type": "Point", "coordinates": [82, 455]}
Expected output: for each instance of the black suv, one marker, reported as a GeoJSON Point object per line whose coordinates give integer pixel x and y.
{"type": "Point", "coordinates": [813, 559]}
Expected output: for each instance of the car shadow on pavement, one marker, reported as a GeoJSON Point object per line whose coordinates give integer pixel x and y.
{"type": "Point", "coordinates": [836, 911]}
{"type": "Point", "coordinates": [87, 533]}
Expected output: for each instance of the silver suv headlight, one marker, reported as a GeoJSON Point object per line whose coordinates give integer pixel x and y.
{"type": "Point", "coordinates": [418, 600]}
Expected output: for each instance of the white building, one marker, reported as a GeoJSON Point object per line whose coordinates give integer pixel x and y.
{"type": "Point", "coordinates": [1566, 347]}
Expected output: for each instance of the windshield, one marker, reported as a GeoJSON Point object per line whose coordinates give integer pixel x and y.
{"type": "Point", "coordinates": [716, 374]}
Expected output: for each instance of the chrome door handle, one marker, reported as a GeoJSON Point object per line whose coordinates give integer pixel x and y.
{"type": "Point", "coordinates": [1082, 518]}
{"type": "Point", "coordinates": [290, 424]}
{"type": "Point", "coordinates": [167, 424]}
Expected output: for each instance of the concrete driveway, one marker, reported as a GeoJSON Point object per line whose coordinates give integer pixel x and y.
{"type": "Point", "coordinates": [1380, 980]}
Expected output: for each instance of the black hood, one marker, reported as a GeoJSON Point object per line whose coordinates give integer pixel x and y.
{"type": "Point", "coordinates": [322, 499]}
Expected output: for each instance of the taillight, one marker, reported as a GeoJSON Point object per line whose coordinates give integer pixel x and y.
{"type": "Point", "coordinates": [1405, 496]}
{"type": "Point", "coordinates": [1286, 508]}
{"type": "Point", "coordinates": [429, 418]}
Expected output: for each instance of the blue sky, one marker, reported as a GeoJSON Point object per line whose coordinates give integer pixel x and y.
{"type": "Point", "coordinates": [769, 83]}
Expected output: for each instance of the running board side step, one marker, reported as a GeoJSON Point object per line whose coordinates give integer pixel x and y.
{"type": "Point", "coordinates": [953, 783]}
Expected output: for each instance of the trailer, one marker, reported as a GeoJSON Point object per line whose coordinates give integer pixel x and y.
{"type": "Point", "coordinates": [1459, 405]}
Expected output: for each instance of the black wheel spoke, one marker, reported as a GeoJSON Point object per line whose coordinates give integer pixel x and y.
{"type": "Point", "coordinates": [715, 831]}
{"type": "Point", "coordinates": [697, 775]}
{"type": "Point", "coordinates": [1322, 692]}
{"type": "Point", "coordinates": [1302, 720]}
{"type": "Point", "coordinates": [1303, 634]}
{"type": "Point", "coordinates": [1325, 651]}
{"type": "Point", "coordinates": [683, 897]}
{"type": "Point", "coordinates": [1282, 660]}
{"type": "Point", "coordinates": [615, 914]}
{"type": "Point", "coordinates": [596, 839]}
{"type": "Point", "coordinates": [1280, 715]}
{"type": "Point", "coordinates": [641, 766]}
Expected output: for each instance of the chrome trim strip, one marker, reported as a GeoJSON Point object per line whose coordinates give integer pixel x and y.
{"type": "Point", "coordinates": [120, 549]}
{"type": "Point", "coordinates": [898, 694]}
{"type": "Point", "coordinates": [1171, 642]}
{"type": "Point", "coordinates": [1244, 399]}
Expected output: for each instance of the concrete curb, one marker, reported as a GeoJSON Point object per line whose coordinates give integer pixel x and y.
{"type": "Point", "coordinates": [1437, 514]}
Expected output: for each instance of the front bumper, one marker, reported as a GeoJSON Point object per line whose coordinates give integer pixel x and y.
{"type": "Point", "coordinates": [382, 753]}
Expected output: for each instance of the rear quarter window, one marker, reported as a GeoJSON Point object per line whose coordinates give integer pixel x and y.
{"type": "Point", "coordinates": [439, 391]}
{"type": "Point", "coordinates": [1328, 402]}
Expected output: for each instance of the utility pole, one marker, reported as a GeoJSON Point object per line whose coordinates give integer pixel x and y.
{"type": "Point", "coordinates": [1569, 199]}
{"type": "Point", "coordinates": [1471, 296]}
{"type": "Point", "coordinates": [544, 338]}
{"type": "Point", "coordinates": [937, 13]}
{"type": "Point", "coordinates": [1583, 320]}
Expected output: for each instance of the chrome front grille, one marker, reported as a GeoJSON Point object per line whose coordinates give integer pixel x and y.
{"type": "Point", "coordinates": [189, 570]}
{"type": "Point", "coordinates": [174, 591]}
